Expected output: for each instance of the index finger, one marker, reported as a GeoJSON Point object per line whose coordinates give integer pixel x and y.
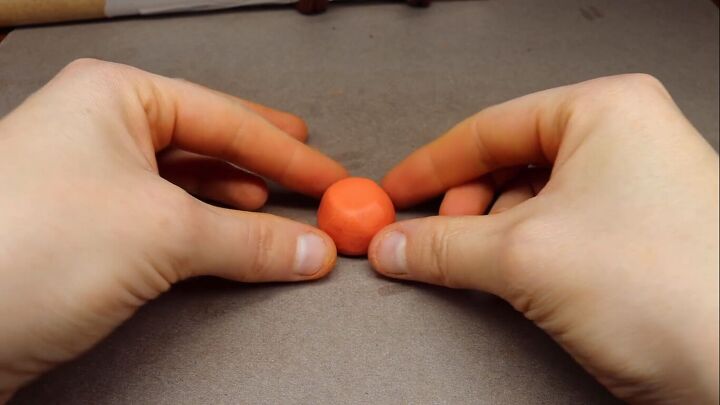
{"type": "Point", "coordinates": [522, 131]}
{"type": "Point", "coordinates": [285, 121]}
{"type": "Point", "coordinates": [204, 121]}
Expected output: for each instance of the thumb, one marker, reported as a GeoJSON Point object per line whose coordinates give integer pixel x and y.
{"type": "Point", "coordinates": [459, 252]}
{"type": "Point", "coordinates": [255, 247]}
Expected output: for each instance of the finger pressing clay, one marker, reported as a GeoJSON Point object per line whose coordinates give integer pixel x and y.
{"type": "Point", "coordinates": [352, 211]}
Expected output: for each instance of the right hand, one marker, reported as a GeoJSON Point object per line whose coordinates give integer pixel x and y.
{"type": "Point", "coordinates": [616, 257]}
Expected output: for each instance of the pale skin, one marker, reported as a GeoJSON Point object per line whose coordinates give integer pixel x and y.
{"type": "Point", "coordinates": [615, 255]}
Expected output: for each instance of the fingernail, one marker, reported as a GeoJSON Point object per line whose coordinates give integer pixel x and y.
{"type": "Point", "coordinates": [391, 253]}
{"type": "Point", "coordinates": [310, 254]}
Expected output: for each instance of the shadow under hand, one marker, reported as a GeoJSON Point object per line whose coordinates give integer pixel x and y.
{"type": "Point", "coordinates": [282, 198]}
{"type": "Point", "coordinates": [158, 336]}
{"type": "Point", "coordinates": [516, 339]}
{"type": "Point", "coordinates": [424, 209]}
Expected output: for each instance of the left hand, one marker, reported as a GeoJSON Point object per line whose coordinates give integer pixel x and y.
{"type": "Point", "coordinates": [90, 231]}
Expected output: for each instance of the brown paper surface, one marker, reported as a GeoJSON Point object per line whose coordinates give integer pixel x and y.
{"type": "Point", "coordinates": [23, 12]}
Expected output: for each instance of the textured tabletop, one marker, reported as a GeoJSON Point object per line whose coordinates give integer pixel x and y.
{"type": "Point", "coordinates": [374, 82]}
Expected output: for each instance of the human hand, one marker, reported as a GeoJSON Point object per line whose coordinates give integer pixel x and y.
{"type": "Point", "coordinates": [616, 257]}
{"type": "Point", "coordinates": [90, 232]}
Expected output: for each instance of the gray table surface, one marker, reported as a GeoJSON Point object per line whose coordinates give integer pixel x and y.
{"type": "Point", "coordinates": [374, 82]}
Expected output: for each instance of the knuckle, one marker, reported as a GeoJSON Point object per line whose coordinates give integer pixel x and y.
{"type": "Point", "coordinates": [260, 240]}
{"type": "Point", "coordinates": [640, 85]}
{"type": "Point", "coordinates": [87, 68]}
{"type": "Point", "coordinates": [641, 80]}
{"type": "Point", "coordinates": [101, 82]}
{"type": "Point", "coordinates": [439, 262]}
{"type": "Point", "coordinates": [97, 73]}
{"type": "Point", "coordinates": [83, 64]}
{"type": "Point", "coordinates": [624, 91]}
{"type": "Point", "coordinates": [591, 103]}
{"type": "Point", "coordinates": [182, 80]}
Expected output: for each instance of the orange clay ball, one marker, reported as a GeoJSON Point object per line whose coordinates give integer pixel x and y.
{"type": "Point", "coordinates": [352, 211]}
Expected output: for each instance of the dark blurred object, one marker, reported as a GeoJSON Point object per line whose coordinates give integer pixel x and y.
{"type": "Point", "coordinates": [320, 6]}
{"type": "Point", "coordinates": [419, 3]}
{"type": "Point", "coordinates": [311, 6]}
